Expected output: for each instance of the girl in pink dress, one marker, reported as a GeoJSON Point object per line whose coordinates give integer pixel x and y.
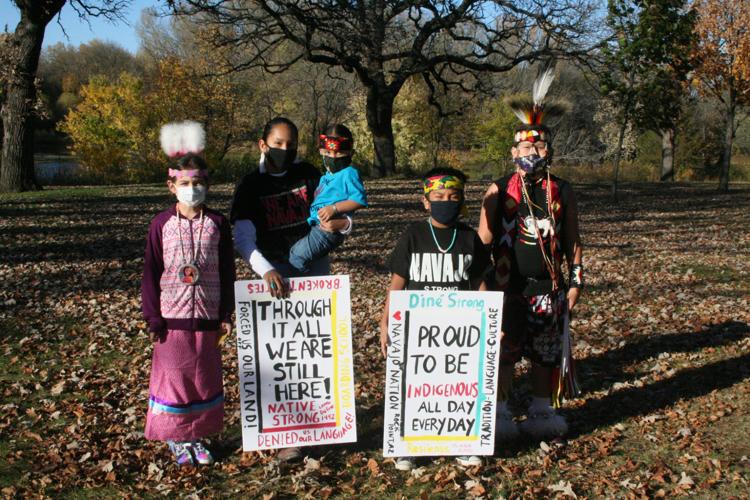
{"type": "Point", "coordinates": [188, 299]}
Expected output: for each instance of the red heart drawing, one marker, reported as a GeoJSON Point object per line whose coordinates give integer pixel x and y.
{"type": "Point", "coordinates": [397, 315]}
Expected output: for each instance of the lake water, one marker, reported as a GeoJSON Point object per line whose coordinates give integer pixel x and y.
{"type": "Point", "coordinates": [55, 169]}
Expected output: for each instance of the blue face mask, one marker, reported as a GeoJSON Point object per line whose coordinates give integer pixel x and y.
{"type": "Point", "coordinates": [531, 164]}
{"type": "Point", "coordinates": [445, 212]}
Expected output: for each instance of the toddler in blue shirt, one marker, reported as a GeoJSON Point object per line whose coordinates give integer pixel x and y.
{"type": "Point", "coordinates": [339, 193]}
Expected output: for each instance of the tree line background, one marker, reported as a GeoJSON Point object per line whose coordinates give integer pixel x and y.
{"type": "Point", "coordinates": [657, 88]}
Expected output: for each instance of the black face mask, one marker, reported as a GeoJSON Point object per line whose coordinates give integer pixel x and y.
{"type": "Point", "coordinates": [445, 212]}
{"type": "Point", "coordinates": [333, 165]}
{"type": "Point", "coordinates": [281, 159]}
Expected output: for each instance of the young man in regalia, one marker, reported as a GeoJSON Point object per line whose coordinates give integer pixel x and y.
{"type": "Point", "coordinates": [530, 220]}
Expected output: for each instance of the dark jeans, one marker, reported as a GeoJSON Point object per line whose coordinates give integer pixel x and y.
{"type": "Point", "coordinates": [320, 267]}
{"type": "Point", "coordinates": [316, 244]}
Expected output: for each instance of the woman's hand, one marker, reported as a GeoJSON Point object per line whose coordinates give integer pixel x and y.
{"type": "Point", "coordinates": [155, 336]}
{"type": "Point", "coordinates": [276, 284]}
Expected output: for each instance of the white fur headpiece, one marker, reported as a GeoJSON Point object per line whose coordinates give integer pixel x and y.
{"type": "Point", "coordinates": [181, 138]}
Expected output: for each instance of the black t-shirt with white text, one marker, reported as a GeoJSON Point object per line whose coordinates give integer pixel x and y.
{"type": "Point", "coordinates": [278, 207]}
{"type": "Point", "coordinates": [418, 259]}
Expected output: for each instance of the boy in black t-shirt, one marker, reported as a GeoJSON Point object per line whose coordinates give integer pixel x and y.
{"type": "Point", "coordinates": [440, 253]}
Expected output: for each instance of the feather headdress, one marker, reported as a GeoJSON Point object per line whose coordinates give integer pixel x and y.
{"type": "Point", "coordinates": [536, 114]}
{"type": "Point", "coordinates": [181, 138]}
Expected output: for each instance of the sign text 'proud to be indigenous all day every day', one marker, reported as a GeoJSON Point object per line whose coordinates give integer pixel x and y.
{"type": "Point", "coordinates": [442, 373]}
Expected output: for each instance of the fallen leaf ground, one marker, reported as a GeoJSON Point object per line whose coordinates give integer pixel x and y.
{"type": "Point", "coordinates": [661, 337]}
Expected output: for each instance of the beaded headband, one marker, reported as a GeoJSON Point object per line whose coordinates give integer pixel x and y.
{"type": "Point", "coordinates": [334, 143]}
{"type": "Point", "coordinates": [532, 135]}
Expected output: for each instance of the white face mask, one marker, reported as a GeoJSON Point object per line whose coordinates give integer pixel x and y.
{"type": "Point", "coordinates": [191, 195]}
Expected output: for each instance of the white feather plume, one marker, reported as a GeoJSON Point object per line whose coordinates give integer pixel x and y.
{"type": "Point", "coordinates": [170, 139]}
{"type": "Point", "coordinates": [181, 138]}
{"type": "Point", "coordinates": [193, 137]}
{"type": "Point", "coordinates": [542, 84]}
{"type": "Point", "coordinates": [520, 115]}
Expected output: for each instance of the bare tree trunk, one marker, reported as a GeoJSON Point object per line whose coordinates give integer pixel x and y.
{"type": "Point", "coordinates": [667, 155]}
{"type": "Point", "coordinates": [379, 114]}
{"type": "Point", "coordinates": [707, 159]}
{"type": "Point", "coordinates": [726, 157]}
{"type": "Point", "coordinates": [312, 149]}
{"type": "Point", "coordinates": [618, 156]}
{"type": "Point", "coordinates": [437, 139]}
{"type": "Point", "coordinates": [2, 134]}
{"type": "Point", "coordinates": [17, 111]}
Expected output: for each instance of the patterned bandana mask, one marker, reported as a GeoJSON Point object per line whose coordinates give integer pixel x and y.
{"type": "Point", "coordinates": [531, 164]}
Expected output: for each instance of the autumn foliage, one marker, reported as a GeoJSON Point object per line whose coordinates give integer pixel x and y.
{"type": "Point", "coordinates": [722, 63]}
{"type": "Point", "coordinates": [115, 128]}
{"type": "Point", "coordinates": [723, 51]}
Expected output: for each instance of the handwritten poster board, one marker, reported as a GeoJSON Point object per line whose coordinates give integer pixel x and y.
{"type": "Point", "coordinates": [442, 373]}
{"type": "Point", "coordinates": [295, 362]}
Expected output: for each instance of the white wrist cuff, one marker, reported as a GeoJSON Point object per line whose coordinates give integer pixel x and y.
{"type": "Point", "coordinates": [348, 228]}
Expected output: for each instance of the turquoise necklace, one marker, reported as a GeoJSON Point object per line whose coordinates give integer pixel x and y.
{"type": "Point", "coordinates": [434, 238]}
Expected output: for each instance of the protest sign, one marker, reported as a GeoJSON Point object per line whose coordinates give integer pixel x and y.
{"type": "Point", "coordinates": [295, 362]}
{"type": "Point", "coordinates": [442, 373]}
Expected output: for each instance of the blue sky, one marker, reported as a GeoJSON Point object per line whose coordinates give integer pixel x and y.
{"type": "Point", "coordinates": [121, 33]}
